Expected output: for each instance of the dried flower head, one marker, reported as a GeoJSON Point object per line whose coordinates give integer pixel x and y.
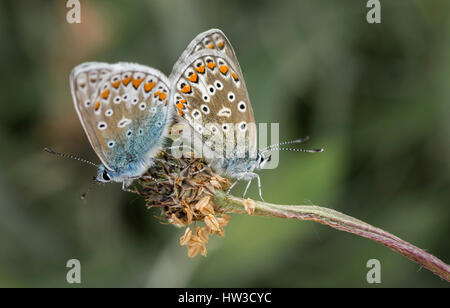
{"type": "Point", "coordinates": [184, 190]}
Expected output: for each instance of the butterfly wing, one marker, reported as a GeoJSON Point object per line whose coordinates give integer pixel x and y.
{"type": "Point", "coordinates": [213, 39]}
{"type": "Point", "coordinates": [210, 95]}
{"type": "Point", "coordinates": [123, 108]}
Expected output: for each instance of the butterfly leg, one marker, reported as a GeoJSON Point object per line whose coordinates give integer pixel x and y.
{"type": "Point", "coordinates": [168, 162]}
{"type": "Point", "coordinates": [125, 185]}
{"type": "Point", "coordinates": [246, 188]}
{"type": "Point", "coordinates": [234, 184]}
{"type": "Point", "coordinates": [259, 186]}
{"type": "Point", "coordinates": [208, 166]}
{"type": "Point", "coordinates": [149, 177]}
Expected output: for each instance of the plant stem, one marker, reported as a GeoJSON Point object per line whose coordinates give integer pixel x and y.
{"type": "Point", "coordinates": [338, 221]}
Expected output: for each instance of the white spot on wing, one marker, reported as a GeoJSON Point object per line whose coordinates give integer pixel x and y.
{"type": "Point", "coordinates": [224, 112]}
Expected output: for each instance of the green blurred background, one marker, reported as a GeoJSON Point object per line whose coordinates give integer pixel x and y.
{"type": "Point", "coordinates": [376, 96]}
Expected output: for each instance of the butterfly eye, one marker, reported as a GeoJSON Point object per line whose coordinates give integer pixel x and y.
{"type": "Point", "coordinates": [105, 176]}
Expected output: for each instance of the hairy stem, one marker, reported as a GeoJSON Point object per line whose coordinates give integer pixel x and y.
{"type": "Point", "coordinates": [338, 221]}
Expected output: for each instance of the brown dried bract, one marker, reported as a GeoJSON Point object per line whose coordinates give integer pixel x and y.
{"type": "Point", "coordinates": [250, 206]}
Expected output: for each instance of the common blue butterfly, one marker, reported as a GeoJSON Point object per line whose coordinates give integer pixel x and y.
{"type": "Point", "coordinates": [124, 111]}
{"type": "Point", "coordinates": [213, 107]}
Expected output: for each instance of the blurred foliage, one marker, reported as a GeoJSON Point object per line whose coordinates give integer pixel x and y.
{"type": "Point", "coordinates": [375, 96]}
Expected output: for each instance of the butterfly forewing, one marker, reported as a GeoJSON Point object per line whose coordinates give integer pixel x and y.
{"type": "Point", "coordinates": [124, 113]}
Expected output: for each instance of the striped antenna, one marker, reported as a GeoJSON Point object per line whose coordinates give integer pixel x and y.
{"type": "Point", "coordinates": [70, 156]}
{"type": "Point", "coordinates": [287, 142]}
{"type": "Point", "coordinates": [294, 150]}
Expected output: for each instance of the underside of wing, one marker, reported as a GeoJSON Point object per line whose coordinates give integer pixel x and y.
{"type": "Point", "coordinates": [123, 108]}
{"type": "Point", "coordinates": [209, 93]}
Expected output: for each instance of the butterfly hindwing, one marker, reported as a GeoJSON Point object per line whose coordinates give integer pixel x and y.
{"type": "Point", "coordinates": [124, 113]}
{"type": "Point", "coordinates": [209, 91]}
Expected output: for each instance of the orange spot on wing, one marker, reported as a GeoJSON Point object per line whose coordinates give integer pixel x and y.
{"type": "Point", "coordinates": [211, 65]}
{"type": "Point", "coordinates": [221, 45]}
{"type": "Point", "coordinates": [162, 96]}
{"type": "Point", "coordinates": [194, 77]}
{"type": "Point", "coordinates": [235, 77]}
{"type": "Point", "coordinates": [223, 69]}
{"type": "Point", "coordinates": [97, 106]}
{"type": "Point", "coordinates": [148, 86]}
{"type": "Point", "coordinates": [200, 69]}
{"type": "Point", "coordinates": [116, 84]}
{"type": "Point", "coordinates": [183, 101]}
{"type": "Point", "coordinates": [186, 89]}
{"type": "Point", "coordinates": [180, 105]}
{"type": "Point", "coordinates": [126, 81]}
{"type": "Point", "coordinates": [137, 82]}
{"type": "Point", "coordinates": [210, 46]}
{"type": "Point", "coordinates": [105, 94]}
{"type": "Point", "coordinates": [180, 112]}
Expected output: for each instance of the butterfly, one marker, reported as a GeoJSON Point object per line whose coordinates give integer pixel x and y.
{"type": "Point", "coordinates": [213, 107]}
{"type": "Point", "coordinates": [124, 110]}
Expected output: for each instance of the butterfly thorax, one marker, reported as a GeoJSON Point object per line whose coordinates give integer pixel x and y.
{"type": "Point", "coordinates": [236, 167]}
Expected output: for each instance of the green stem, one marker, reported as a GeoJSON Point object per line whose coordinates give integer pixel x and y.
{"type": "Point", "coordinates": [341, 222]}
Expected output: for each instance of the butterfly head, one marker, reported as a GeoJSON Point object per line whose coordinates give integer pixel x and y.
{"type": "Point", "coordinates": [262, 160]}
{"type": "Point", "coordinates": [104, 175]}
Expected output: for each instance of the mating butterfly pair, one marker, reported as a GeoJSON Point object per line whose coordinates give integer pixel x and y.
{"type": "Point", "coordinates": [126, 110]}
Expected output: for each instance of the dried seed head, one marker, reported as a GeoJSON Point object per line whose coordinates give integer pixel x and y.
{"type": "Point", "coordinates": [212, 223]}
{"type": "Point", "coordinates": [184, 240]}
{"type": "Point", "coordinates": [183, 189]}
